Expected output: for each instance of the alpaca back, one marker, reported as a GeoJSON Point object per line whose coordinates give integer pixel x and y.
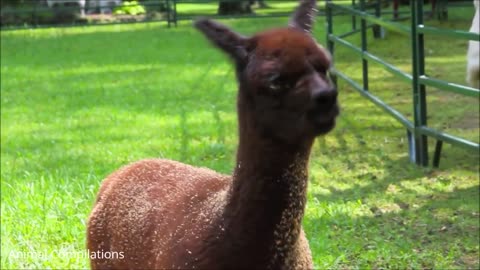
{"type": "Point", "coordinates": [155, 207]}
{"type": "Point", "coordinates": [473, 54]}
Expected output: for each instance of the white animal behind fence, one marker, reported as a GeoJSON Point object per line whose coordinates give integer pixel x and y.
{"type": "Point", "coordinates": [105, 6]}
{"type": "Point", "coordinates": [80, 3]}
{"type": "Point", "coordinates": [473, 54]}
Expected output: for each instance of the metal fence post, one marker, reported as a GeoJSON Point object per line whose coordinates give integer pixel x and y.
{"type": "Point", "coordinates": [363, 26]}
{"type": "Point", "coordinates": [175, 12]}
{"type": "Point", "coordinates": [330, 43]}
{"type": "Point", "coordinates": [171, 12]}
{"type": "Point", "coordinates": [328, 13]}
{"type": "Point", "coordinates": [378, 31]}
{"type": "Point", "coordinates": [419, 96]}
{"type": "Point", "coordinates": [354, 18]}
{"type": "Point", "coordinates": [35, 15]}
{"type": "Point", "coordinates": [168, 12]}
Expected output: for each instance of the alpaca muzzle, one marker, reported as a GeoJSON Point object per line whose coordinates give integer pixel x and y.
{"type": "Point", "coordinates": [324, 109]}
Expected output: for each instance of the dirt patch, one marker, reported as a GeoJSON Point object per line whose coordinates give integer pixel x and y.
{"type": "Point", "coordinates": [470, 120]}
{"type": "Point", "coordinates": [470, 260]}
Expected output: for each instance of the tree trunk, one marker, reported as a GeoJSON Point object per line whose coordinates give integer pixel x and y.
{"type": "Point", "coordinates": [232, 7]}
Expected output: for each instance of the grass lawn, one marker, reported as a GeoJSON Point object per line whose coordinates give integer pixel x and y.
{"type": "Point", "coordinates": [77, 103]}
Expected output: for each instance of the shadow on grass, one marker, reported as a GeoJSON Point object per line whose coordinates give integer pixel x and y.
{"type": "Point", "coordinates": [445, 225]}
{"type": "Point", "coordinates": [369, 207]}
{"type": "Point", "coordinates": [384, 212]}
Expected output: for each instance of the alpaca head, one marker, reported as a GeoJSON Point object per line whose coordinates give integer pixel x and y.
{"type": "Point", "coordinates": [285, 89]}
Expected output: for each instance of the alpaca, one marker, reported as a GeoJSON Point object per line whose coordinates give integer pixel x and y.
{"type": "Point", "coordinates": [473, 54]}
{"type": "Point", "coordinates": [162, 214]}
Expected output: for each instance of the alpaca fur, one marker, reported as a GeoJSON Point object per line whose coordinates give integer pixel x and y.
{"type": "Point", "coordinates": [473, 54]}
{"type": "Point", "coordinates": [162, 214]}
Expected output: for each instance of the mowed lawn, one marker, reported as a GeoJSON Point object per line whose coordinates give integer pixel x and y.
{"type": "Point", "coordinates": [78, 103]}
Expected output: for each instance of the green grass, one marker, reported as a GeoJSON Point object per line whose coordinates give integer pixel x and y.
{"type": "Point", "coordinates": [77, 103]}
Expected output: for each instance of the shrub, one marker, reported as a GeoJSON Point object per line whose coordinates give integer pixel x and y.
{"type": "Point", "coordinates": [130, 8]}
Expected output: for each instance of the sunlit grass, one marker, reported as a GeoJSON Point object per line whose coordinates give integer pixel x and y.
{"type": "Point", "coordinates": [77, 103]}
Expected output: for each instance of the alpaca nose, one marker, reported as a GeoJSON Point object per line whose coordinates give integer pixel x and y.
{"type": "Point", "coordinates": [325, 99]}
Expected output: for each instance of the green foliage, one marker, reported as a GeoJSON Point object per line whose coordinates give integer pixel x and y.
{"type": "Point", "coordinates": [71, 115]}
{"type": "Point", "coordinates": [29, 13]}
{"type": "Point", "coordinates": [12, 2]}
{"type": "Point", "coordinates": [130, 8]}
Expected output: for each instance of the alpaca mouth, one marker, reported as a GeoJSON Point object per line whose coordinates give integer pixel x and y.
{"type": "Point", "coordinates": [323, 121]}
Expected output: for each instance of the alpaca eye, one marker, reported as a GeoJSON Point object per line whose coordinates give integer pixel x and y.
{"type": "Point", "coordinates": [275, 86]}
{"type": "Point", "coordinates": [274, 82]}
{"type": "Point", "coordinates": [277, 83]}
{"type": "Point", "coordinates": [322, 70]}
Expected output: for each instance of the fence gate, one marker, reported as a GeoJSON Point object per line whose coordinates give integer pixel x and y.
{"type": "Point", "coordinates": [417, 131]}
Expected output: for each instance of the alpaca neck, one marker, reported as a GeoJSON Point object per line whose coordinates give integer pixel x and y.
{"type": "Point", "coordinates": [267, 198]}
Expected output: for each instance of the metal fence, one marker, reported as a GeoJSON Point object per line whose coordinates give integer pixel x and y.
{"type": "Point", "coordinates": [418, 130]}
{"type": "Point", "coordinates": [35, 13]}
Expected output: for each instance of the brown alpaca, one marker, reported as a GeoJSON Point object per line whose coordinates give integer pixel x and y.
{"type": "Point", "coordinates": [163, 214]}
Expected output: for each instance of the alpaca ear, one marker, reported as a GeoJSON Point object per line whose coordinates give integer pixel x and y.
{"type": "Point", "coordinates": [304, 16]}
{"type": "Point", "coordinates": [230, 42]}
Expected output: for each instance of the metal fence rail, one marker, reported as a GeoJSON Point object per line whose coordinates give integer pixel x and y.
{"type": "Point", "coordinates": [417, 131]}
